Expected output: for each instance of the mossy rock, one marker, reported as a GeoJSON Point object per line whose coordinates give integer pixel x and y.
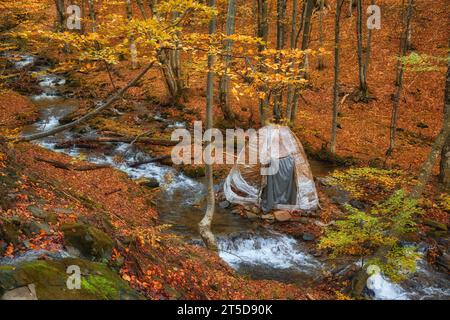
{"type": "Point", "coordinates": [91, 242]}
{"type": "Point", "coordinates": [194, 171]}
{"type": "Point", "coordinates": [9, 232]}
{"type": "Point", "coordinates": [50, 278]}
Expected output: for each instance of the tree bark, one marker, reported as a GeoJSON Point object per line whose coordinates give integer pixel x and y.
{"type": "Point", "coordinates": [281, 30]}
{"type": "Point", "coordinates": [336, 75]}
{"type": "Point", "coordinates": [399, 81]}
{"type": "Point", "coordinates": [437, 148]}
{"type": "Point", "coordinates": [362, 93]}
{"type": "Point", "coordinates": [263, 31]}
{"type": "Point", "coordinates": [60, 15]}
{"type": "Point", "coordinates": [89, 115]}
{"type": "Point", "coordinates": [306, 27]}
{"type": "Point", "coordinates": [205, 225]}
{"type": "Point", "coordinates": [320, 64]}
{"type": "Point", "coordinates": [224, 95]}
{"type": "Point", "coordinates": [133, 49]}
{"type": "Point", "coordinates": [290, 95]}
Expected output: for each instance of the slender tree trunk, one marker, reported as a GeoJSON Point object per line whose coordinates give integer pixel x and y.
{"type": "Point", "coordinates": [321, 34]}
{"type": "Point", "coordinates": [291, 91]}
{"type": "Point", "coordinates": [399, 81]}
{"type": "Point", "coordinates": [92, 15]}
{"type": "Point", "coordinates": [368, 49]}
{"type": "Point", "coordinates": [60, 15]}
{"type": "Point", "coordinates": [133, 48]}
{"type": "Point", "coordinates": [438, 146]}
{"type": "Point", "coordinates": [444, 175]}
{"type": "Point", "coordinates": [205, 224]}
{"type": "Point", "coordinates": [263, 31]}
{"type": "Point", "coordinates": [224, 95]}
{"type": "Point", "coordinates": [350, 8]}
{"type": "Point", "coordinates": [362, 93]}
{"type": "Point", "coordinates": [142, 8]}
{"type": "Point", "coordinates": [281, 17]}
{"type": "Point", "coordinates": [306, 26]}
{"type": "Point", "coordinates": [336, 76]}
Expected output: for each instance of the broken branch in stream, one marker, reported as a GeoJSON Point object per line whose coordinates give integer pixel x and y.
{"type": "Point", "coordinates": [89, 115]}
{"type": "Point", "coordinates": [140, 163]}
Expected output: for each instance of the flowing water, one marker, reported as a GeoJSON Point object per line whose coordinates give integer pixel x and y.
{"type": "Point", "coordinates": [251, 249]}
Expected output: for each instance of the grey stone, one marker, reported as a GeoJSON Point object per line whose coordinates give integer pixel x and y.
{"type": "Point", "coordinates": [38, 212]}
{"type": "Point", "coordinates": [22, 293]}
{"type": "Point", "coordinates": [308, 237]}
{"type": "Point", "coordinates": [224, 204]}
{"type": "Point", "coordinates": [268, 217]}
{"type": "Point", "coordinates": [37, 227]}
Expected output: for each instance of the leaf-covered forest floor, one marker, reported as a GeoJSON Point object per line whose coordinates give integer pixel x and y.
{"type": "Point", "coordinates": [158, 264]}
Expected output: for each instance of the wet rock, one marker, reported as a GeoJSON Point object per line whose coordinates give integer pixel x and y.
{"type": "Point", "coordinates": [308, 236]}
{"type": "Point", "coordinates": [337, 195]}
{"type": "Point", "coordinates": [251, 216]}
{"type": "Point", "coordinates": [38, 212]}
{"type": "Point", "coordinates": [358, 204]}
{"type": "Point", "coordinates": [152, 183]}
{"type": "Point", "coordinates": [268, 217]}
{"type": "Point", "coordinates": [23, 293]}
{"type": "Point", "coordinates": [443, 262]}
{"type": "Point", "coordinates": [194, 171]}
{"type": "Point", "coordinates": [91, 242]}
{"type": "Point", "coordinates": [435, 224]}
{"type": "Point", "coordinates": [235, 211]}
{"type": "Point", "coordinates": [224, 204]}
{"type": "Point", "coordinates": [282, 216]}
{"type": "Point", "coordinates": [50, 279]}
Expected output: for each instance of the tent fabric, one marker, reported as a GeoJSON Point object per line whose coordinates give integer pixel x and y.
{"type": "Point", "coordinates": [246, 184]}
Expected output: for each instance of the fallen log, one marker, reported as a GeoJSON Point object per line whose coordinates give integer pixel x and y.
{"type": "Point", "coordinates": [68, 166]}
{"type": "Point", "coordinates": [82, 142]}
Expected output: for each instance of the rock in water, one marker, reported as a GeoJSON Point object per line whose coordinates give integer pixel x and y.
{"type": "Point", "coordinates": [282, 216]}
{"type": "Point", "coordinates": [308, 236]}
{"type": "Point", "coordinates": [91, 242]}
{"type": "Point", "coordinates": [224, 204]}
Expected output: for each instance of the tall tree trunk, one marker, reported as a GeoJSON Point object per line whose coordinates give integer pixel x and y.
{"type": "Point", "coordinates": [368, 49]}
{"type": "Point", "coordinates": [321, 35]}
{"type": "Point", "coordinates": [290, 94]}
{"type": "Point", "coordinates": [263, 31]}
{"type": "Point", "coordinates": [438, 146]}
{"type": "Point", "coordinates": [362, 93]}
{"type": "Point", "coordinates": [205, 224]}
{"type": "Point", "coordinates": [336, 75]}
{"type": "Point", "coordinates": [281, 17]}
{"type": "Point", "coordinates": [224, 95]}
{"type": "Point", "coordinates": [350, 8]}
{"type": "Point", "coordinates": [444, 174]}
{"type": "Point", "coordinates": [133, 49]}
{"type": "Point", "coordinates": [92, 15]}
{"type": "Point", "coordinates": [399, 80]}
{"type": "Point", "coordinates": [142, 8]}
{"type": "Point", "coordinates": [60, 15]}
{"type": "Point", "coordinates": [306, 27]}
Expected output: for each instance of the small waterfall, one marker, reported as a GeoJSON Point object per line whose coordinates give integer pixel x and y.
{"type": "Point", "coordinates": [271, 250]}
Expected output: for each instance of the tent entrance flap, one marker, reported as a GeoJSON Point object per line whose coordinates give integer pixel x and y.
{"type": "Point", "coordinates": [281, 187]}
